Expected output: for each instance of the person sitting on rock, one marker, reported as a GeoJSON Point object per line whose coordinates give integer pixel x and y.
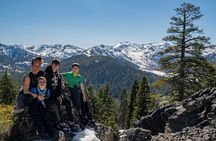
{"type": "Point", "coordinates": [30, 80]}
{"type": "Point", "coordinates": [57, 100]}
{"type": "Point", "coordinates": [54, 84]}
{"type": "Point", "coordinates": [38, 108]}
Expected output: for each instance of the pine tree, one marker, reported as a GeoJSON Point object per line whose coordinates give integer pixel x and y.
{"type": "Point", "coordinates": [123, 108]}
{"type": "Point", "coordinates": [8, 89]}
{"type": "Point", "coordinates": [108, 108]}
{"type": "Point", "coordinates": [94, 101]}
{"type": "Point", "coordinates": [142, 99]}
{"type": "Point", "coordinates": [132, 104]}
{"type": "Point", "coordinates": [183, 58]}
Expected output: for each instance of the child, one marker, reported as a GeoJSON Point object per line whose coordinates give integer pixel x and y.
{"type": "Point", "coordinates": [42, 92]}
{"type": "Point", "coordinates": [38, 111]}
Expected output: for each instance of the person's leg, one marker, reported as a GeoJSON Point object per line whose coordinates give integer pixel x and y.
{"type": "Point", "coordinates": [35, 114]}
{"type": "Point", "coordinates": [46, 121]}
{"type": "Point", "coordinates": [87, 110]}
{"type": "Point", "coordinates": [67, 103]}
{"type": "Point", "coordinates": [75, 97]}
{"type": "Point", "coordinates": [53, 108]}
{"type": "Point", "coordinates": [28, 99]}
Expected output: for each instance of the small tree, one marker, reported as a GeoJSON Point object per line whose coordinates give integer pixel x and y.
{"type": "Point", "coordinates": [123, 108]}
{"type": "Point", "coordinates": [8, 89]}
{"type": "Point", "coordinates": [94, 101]}
{"type": "Point", "coordinates": [132, 104]}
{"type": "Point", "coordinates": [142, 99]}
{"type": "Point", "coordinates": [108, 108]}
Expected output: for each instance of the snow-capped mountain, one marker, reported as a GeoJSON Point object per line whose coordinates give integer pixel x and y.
{"type": "Point", "coordinates": [143, 56]}
{"type": "Point", "coordinates": [18, 57]}
{"type": "Point", "coordinates": [55, 51]}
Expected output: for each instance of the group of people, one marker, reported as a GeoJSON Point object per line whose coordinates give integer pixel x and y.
{"type": "Point", "coordinates": [47, 93]}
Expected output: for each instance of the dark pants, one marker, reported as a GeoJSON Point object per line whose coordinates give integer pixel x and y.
{"type": "Point", "coordinates": [67, 104]}
{"type": "Point", "coordinates": [28, 99]}
{"type": "Point", "coordinates": [40, 118]}
{"type": "Point", "coordinates": [55, 106]}
{"type": "Point", "coordinates": [81, 107]}
{"type": "Point", "coordinates": [53, 109]}
{"type": "Point", "coordinates": [76, 97]}
{"type": "Point", "coordinates": [86, 110]}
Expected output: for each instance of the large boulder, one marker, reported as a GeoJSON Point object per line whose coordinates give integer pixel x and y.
{"type": "Point", "coordinates": [139, 134]}
{"type": "Point", "coordinates": [135, 134]}
{"type": "Point", "coordinates": [105, 133]}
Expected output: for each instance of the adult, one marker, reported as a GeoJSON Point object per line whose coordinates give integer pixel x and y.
{"type": "Point", "coordinates": [57, 99]}
{"type": "Point", "coordinates": [76, 87]}
{"type": "Point", "coordinates": [54, 83]}
{"type": "Point", "coordinates": [31, 80]}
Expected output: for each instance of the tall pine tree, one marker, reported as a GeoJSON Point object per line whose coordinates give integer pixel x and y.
{"type": "Point", "coordinates": [183, 58]}
{"type": "Point", "coordinates": [8, 89]}
{"type": "Point", "coordinates": [142, 99]}
{"type": "Point", "coordinates": [123, 108]}
{"type": "Point", "coordinates": [132, 104]}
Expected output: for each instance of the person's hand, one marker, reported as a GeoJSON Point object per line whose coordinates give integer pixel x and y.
{"type": "Point", "coordinates": [84, 98]}
{"type": "Point", "coordinates": [40, 97]}
{"type": "Point", "coordinates": [59, 99]}
{"type": "Point", "coordinates": [34, 95]}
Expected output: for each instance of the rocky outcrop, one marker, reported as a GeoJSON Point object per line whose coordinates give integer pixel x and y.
{"type": "Point", "coordinates": [105, 133]}
{"type": "Point", "coordinates": [192, 119]}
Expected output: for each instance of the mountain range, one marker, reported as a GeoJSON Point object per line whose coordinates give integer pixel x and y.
{"type": "Point", "coordinates": [141, 56]}
{"type": "Point", "coordinates": [106, 60]}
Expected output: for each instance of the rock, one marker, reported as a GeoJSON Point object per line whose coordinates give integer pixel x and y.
{"type": "Point", "coordinates": [192, 119]}
{"type": "Point", "coordinates": [139, 134]}
{"type": "Point", "coordinates": [203, 124]}
{"type": "Point", "coordinates": [104, 133]}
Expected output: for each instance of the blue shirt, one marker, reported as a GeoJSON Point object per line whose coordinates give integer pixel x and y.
{"type": "Point", "coordinates": [37, 91]}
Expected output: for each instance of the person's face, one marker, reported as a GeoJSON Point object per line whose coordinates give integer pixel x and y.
{"type": "Point", "coordinates": [55, 67]}
{"type": "Point", "coordinates": [42, 84]}
{"type": "Point", "coordinates": [36, 67]}
{"type": "Point", "coordinates": [75, 69]}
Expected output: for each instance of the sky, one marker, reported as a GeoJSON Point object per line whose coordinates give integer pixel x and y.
{"type": "Point", "coordinates": [86, 23]}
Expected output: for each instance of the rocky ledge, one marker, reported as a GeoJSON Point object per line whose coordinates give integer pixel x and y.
{"type": "Point", "coordinates": [193, 119]}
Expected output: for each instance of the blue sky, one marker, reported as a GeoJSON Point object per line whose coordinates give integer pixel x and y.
{"type": "Point", "coordinates": [86, 23]}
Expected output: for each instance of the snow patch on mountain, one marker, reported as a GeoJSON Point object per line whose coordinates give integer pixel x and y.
{"type": "Point", "coordinates": [145, 56]}
{"type": "Point", "coordinates": [55, 51]}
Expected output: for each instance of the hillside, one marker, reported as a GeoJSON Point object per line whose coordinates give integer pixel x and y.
{"type": "Point", "coordinates": [100, 70]}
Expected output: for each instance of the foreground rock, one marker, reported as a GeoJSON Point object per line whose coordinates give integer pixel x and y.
{"type": "Point", "coordinates": [23, 128]}
{"type": "Point", "coordinates": [105, 133]}
{"type": "Point", "coordinates": [192, 119]}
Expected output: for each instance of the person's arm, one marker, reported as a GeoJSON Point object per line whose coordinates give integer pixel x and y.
{"type": "Point", "coordinates": [26, 87]}
{"type": "Point", "coordinates": [83, 91]}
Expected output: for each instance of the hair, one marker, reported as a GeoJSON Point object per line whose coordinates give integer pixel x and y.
{"type": "Point", "coordinates": [56, 62]}
{"type": "Point", "coordinates": [37, 60]}
{"type": "Point", "coordinates": [42, 78]}
{"type": "Point", "coordinates": [75, 64]}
